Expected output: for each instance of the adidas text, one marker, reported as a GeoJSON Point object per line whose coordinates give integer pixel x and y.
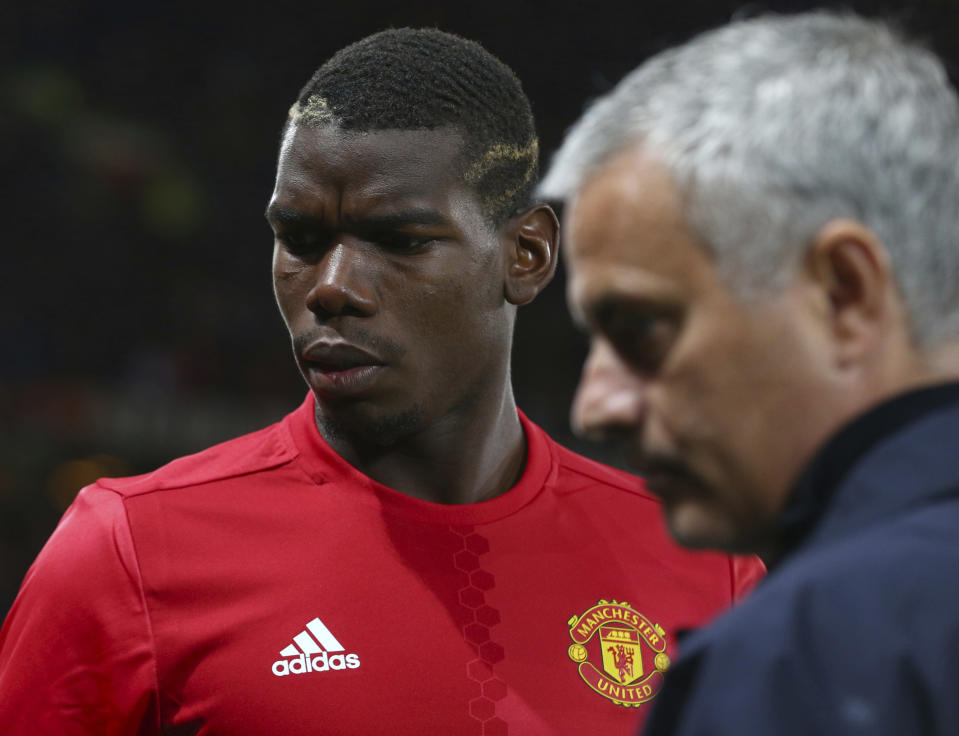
{"type": "Point", "coordinates": [320, 663]}
{"type": "Point", "coordinates": [310, 652]}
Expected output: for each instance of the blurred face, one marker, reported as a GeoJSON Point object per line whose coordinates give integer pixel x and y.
{"type": "Point", "coordinates": [717, 401]}
{"type": "Point", "coordinates": [388, 277]}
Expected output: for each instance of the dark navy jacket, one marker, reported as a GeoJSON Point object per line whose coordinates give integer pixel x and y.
{"type": "Point", "coordinates": [856, 628]}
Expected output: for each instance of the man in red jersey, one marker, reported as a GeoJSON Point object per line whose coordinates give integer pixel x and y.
{"type": "Point", "coordinates": [405, 552]}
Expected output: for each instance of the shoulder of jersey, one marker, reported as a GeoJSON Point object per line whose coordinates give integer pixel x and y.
{"type": "Point", "coordinates": [598, 473]}
{"type": "Point", "coordinates": [251, 453]}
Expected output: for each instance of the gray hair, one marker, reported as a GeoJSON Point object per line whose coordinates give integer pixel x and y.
{"type": "Point", "coordinates": [773, 126]}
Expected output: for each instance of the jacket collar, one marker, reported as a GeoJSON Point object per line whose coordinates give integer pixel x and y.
{"type": "Point", "coordinates": [897, 455]}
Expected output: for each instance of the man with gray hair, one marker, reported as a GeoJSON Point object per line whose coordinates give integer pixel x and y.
{"type": "Point", "coordinates": [762, 242]}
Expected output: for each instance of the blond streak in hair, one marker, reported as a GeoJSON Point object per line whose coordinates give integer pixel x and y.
{"type": "Point", "coordinates": [498, 153]}
{"type": "Point", "coordinates": [316, 111]}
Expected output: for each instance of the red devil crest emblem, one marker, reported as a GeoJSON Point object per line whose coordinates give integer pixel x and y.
{"type": "Point", "coordinates": [632, 652]}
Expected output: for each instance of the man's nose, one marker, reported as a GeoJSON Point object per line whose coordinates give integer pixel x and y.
{"type": "Point", "coordinates": [610, 398]}
{"type": "Point", "coordinates": [343, 283]}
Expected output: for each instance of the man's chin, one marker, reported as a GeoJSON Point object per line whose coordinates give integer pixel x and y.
{"type": "Point", "coordinates": [691, 524]}
{"type": "Point", "coordinates": [365, 425]}
{"type": "Point", "coordinates": [699, 526]}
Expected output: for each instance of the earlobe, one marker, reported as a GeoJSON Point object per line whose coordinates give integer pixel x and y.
{"type": "Point", "coordinates": [851, 266]}
{"type": "Point", "coordinates": [533, 240]}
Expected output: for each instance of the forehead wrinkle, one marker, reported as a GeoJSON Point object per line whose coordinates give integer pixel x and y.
{"type": "Point", "coordinates": [300, 203]}
{"type": "Point", "coordinates": [420, 147]}
{"type": "Point", "coordinates": [398, 166]}
{"type": "Point", "coordinates": [382, 178]}
{"type": "Point", "coordinates": [391, 207]}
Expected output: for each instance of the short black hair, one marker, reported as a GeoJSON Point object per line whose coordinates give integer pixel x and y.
{"type": "Point", "coordinates": [424, 78]}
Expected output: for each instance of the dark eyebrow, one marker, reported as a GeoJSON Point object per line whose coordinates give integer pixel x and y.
{"type": "Point", "coordinates": [281, 215]}
{"type": "Point", "coordinates": [614, 312]}
{"type": "Point", "coordinates": [398, 218]}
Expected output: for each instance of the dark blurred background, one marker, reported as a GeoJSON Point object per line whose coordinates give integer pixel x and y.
{"type": "Point", "coordinates": [137, 144]}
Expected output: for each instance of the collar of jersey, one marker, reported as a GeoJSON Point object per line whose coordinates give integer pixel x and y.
{"type": "Point", "coordinates": [324, 465]}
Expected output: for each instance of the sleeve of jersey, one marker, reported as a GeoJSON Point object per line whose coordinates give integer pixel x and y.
{"type": "Point", "coordinates": [747, 571]}
{"type": "Point", "coordinates": [76, 652]}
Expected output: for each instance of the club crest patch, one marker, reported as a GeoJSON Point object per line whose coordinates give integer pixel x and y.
{"type": "Point", "coordinates": [620, 653]}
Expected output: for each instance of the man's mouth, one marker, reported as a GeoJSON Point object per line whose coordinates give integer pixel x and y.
{"type": "Point", "coordinates": [664, 484]}
{"type": "Point", "coordinates": [338, 368]}
{"type": "Point", "coordinates": [338, 356]}
{"type": "Point", "coordinates": [666, 477]}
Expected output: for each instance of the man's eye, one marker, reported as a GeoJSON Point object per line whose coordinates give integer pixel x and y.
{"type": "Point", "coordinates": [297, 242]}
{"type": "Point", "coordinates": [643, 340]}
{"type": "Point", "coordinates": [635, 346]}
{"type": "Point", "coordinates": [401, 243]}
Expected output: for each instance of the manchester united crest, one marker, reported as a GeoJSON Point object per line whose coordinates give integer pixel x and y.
{"type": "Point", "coordinates": [620, 653]}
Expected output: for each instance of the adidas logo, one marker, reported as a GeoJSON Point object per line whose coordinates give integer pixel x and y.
{"type": "Point", "coordinates": [312, 653]}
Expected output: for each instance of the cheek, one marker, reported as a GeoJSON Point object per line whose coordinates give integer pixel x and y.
{"type": "Point", "coordinates": [707, 404]}
{"type": "Point", "coordinates": [290, 284]}
{"type": "Point", "coordinates": [459, 298]}
{"type": "Point", "coordinates": [746, 408]}
{"type": "Point", "coordinates": [448, 311]}
{"type": "Point", "coordinates": [702, 391]}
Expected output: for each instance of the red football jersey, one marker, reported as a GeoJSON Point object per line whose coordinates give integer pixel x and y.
{"type": "Point", "coordinates": [267, 586]}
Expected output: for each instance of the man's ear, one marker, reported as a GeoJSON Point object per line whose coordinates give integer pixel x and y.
{"type": "Point", "coordinates": [851, 268]}
{"type": "Point", "coordinates": [532, 241]}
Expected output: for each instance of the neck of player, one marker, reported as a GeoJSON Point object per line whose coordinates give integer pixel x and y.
{"type": "Point", "coordinates": [470, 454]}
